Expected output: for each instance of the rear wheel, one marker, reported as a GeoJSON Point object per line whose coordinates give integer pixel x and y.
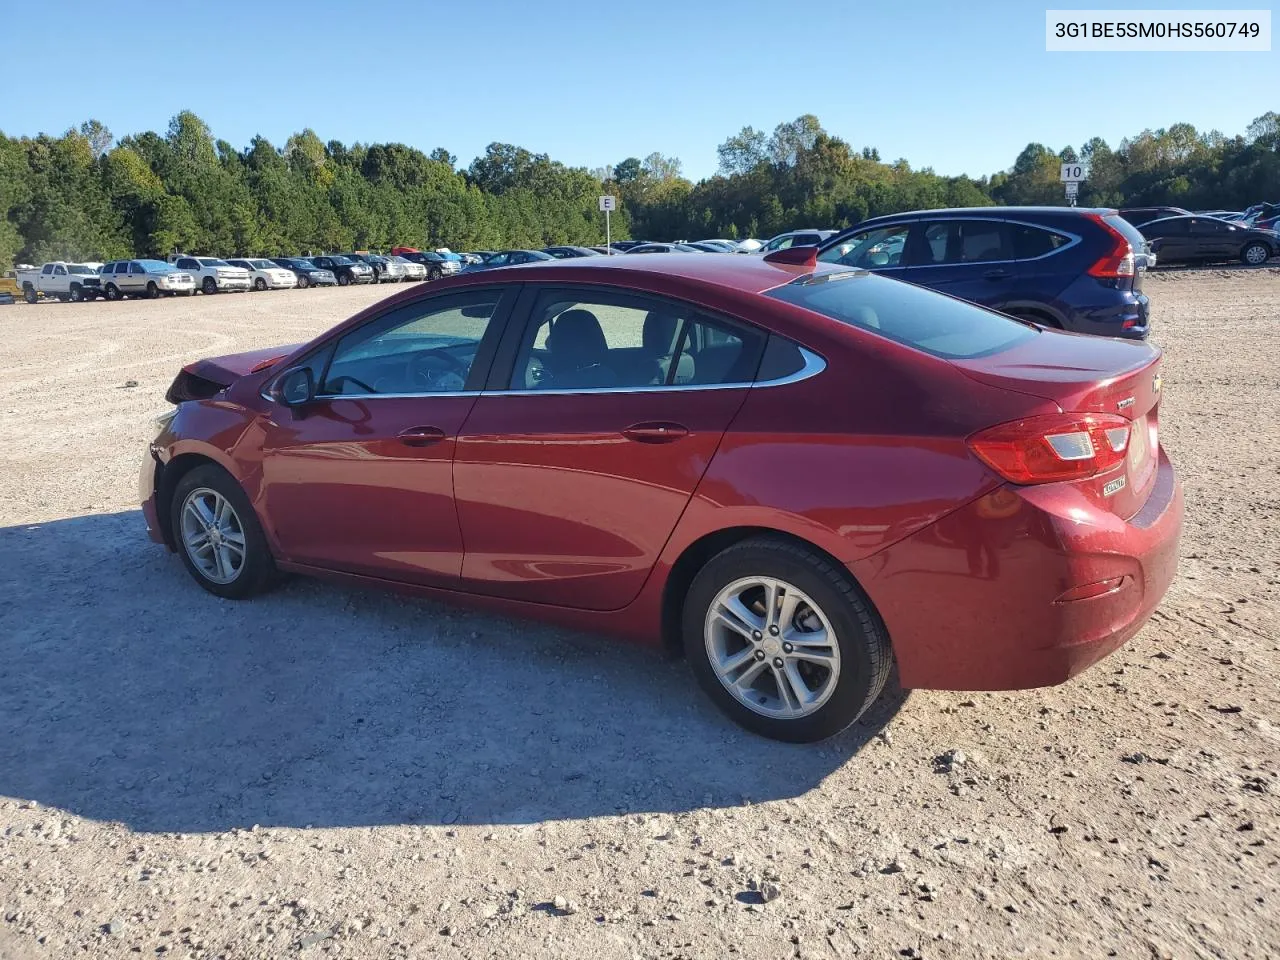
{"type": "Point", "coordinates": [209, 285]}
{"type": "Point", "coordinates": [783, 641]}
{"type": "Point", "coordinates": [29, 294]}
{"type": "Point", "coordinates": [1256, 254]}
{"type": "Point", "coordinates": [259, 284]}
{"type": "Point", "coordinates": [218, 535]}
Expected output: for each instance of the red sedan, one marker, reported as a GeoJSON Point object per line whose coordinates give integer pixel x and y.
{"type": "Point", "coordinates": [794, 473]}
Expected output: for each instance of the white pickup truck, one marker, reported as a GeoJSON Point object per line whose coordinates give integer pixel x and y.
{"type": "Point", "coordinates": [65, 281]}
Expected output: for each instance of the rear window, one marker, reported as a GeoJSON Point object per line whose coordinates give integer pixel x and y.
{"type": "Point", "coordinates": [1127, 230]}
{"type": "Point", "coordinates": [920, 318]}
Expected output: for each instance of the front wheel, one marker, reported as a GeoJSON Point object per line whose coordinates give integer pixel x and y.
{"type": "Point", "coordinates": [153, 292]}
{"type": "Point", "coordinates": [209, 285]}
{"type": "Point", "coordinates": [303, 282]}
{"type": "Point", "coordinates": [77, 293]}
{"type": "Point", "coordinates": [783, 641]}
{"type": "Point", "coordinates": [259, 284]}
{"type": "Point", "coordinates": [218, 535]}
{"type": "Point", "coordinates": [1256, 254]}
{"type": "Point", "coordinates": [343, 279]}
{"type": "Point", "coordinates": [112, 292]}
{"type": "Point", "coordinates": [434, 273]}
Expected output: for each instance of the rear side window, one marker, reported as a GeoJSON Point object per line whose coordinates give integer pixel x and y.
{"type": "Point", "coordinates": [1031, 242]}
{"type": "Point", "coordinates": [915, 316]}
{"type": "Point", "coordinates": [962, 241]}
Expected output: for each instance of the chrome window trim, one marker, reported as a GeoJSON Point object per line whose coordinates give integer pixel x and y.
{"type": "Point", "coordinates": [1072, 239]}
{"type": "Point", "coordinates": [813, 365]}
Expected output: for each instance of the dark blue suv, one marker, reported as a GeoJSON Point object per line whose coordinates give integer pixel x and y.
{"type": "Point", "coordinates": [1072, 268]}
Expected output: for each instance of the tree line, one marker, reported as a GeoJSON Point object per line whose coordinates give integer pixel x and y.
{"type": "Point", "coordinates": [86, 196]}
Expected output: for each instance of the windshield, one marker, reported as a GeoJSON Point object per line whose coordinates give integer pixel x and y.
{"type": "Point", "coordinates": [397, 259]}
{"type": "Point", "coordinates": [213, 262]}
{"type": "Point", "coordinates": [263, 264]}
{"type": "Point", "coordinates": [82, 270]}
{"type": "Point", "coordinates": [343, 260]}
{"type": "Point", "coordinates": [920, 318]}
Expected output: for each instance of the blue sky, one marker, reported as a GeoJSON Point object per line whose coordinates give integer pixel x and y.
{"type": "Point", "coordinates": [960, 87]}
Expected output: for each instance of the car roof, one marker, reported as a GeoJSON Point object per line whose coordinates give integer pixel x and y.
{"type": "Point", "coordinates": [744, 274]}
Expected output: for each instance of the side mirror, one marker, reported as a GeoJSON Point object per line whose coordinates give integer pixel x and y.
{"type": "Point", "coordinates": [295, 387]}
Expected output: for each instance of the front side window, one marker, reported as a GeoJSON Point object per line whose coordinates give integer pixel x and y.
{"type": "Point", "coordinates": [137, 269]}
{"type": "Point", "coordinates": [600, 341]}
{"type": "Point", "coordinates": [962, 241]}
{"type": "Point", "coordinates": [906, 313]}
{"type": "Point", "coordinates": [187, 263]}
{"type": "Point", "coordinates": [871, 249]}
{"type": "Point", "coordinates": [428, 347]}
{"type": "Point", "coordinates": [779, 243]}
{"type": "Point", "coordinates": [59, 271]}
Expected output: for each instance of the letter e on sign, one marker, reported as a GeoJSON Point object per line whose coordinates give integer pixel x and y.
{"type": "Point", "coordinates": [608, 203]}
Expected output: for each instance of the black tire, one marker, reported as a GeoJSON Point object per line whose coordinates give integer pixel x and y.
{"type": "Point", "coordinates": [259, 570]}
{"type": "Point", "coordinates": [1256, 254]}
{"type": "Point", "coordinates": [112, 292]}
{"type": "Point", "coordinates": [303, 281]}
{"type": "Point", "coordinates": [344, 279]}
{"type": "Point", "coordinates": [29, 294]}
{"type": "Point", "coordinates": [77, 293]}
{"type": "Point", "coordinates": [865, 653]}
{"type": "Point", "coordinates": [209, 285]}
{"type": "Point", "coordinates": [153, 292]}
{"type": "Point", "coordinates": [189, 293]}
{"type": "Point", "coordinates": [434, 273]}
{"type": "Point", "coordinates": [259, 284]}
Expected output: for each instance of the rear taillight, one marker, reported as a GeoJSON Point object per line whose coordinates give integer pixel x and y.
{"type": "Point", "coordinates": [1054, 447]}
{"type": "Point", "coordinates": [1118, 262]}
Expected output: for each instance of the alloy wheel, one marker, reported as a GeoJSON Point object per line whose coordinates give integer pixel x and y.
{"type": "Point", "coordinates": [213, 535]}
{"type": "Point", "coordinates": [1256, 254]}
{"type": "Point", "coordinates": [772, 647]}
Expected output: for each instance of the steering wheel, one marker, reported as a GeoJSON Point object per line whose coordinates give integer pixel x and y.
{"type": "Point", "coordinates": [428, 367]}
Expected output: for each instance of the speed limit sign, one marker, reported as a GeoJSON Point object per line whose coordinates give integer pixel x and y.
{"type": "Point", "coordinates": [1072, 172]}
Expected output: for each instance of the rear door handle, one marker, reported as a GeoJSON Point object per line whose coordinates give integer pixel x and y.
{"type": "Point", "coordinates": [996, 274]}
{"type": "Point", "coordinates": [420, 436]}
{"type": "Point", "coordinates": [655, 432]}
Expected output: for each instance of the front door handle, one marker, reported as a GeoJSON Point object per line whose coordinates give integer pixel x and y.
{"type": "Point", "coordinates": [420, 436]}
{"type": "Point", "coordinates": [661, 431]}
{"type": "Point", "coordinates": [997, 274]}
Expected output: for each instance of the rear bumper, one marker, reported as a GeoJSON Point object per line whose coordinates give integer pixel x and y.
{"type": "Point", "coordinates": [1107, 313]}
{"type": "Point", "coordinates": [974, 602]}
{"type": "Point", "coordinates": [147, 486]}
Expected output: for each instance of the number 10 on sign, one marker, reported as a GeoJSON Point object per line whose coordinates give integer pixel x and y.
{"type": "Point", "coordinates": [608, 205]}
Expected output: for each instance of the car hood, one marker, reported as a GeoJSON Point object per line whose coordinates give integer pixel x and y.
{"type": "Point", "coordinates": [227, 369]}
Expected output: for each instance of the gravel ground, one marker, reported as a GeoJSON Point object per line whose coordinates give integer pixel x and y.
{"type": "Point", "coordinates": [342, 773]}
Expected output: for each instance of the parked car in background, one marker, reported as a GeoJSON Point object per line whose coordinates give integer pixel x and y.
{"type": "Point", "coordinates": [661, 248]}
{"type": "Point", "coordinates": [796, 238]}
{"type": "Point", "coordinates": [705, 246]}
{"type": "Point", "coordinates": [412, 271]}
{"type": "Point", "coordinates": [213, 275]}
{"type": "Point", "coordinates": [145, 278]}
{"type": "Point", "coordinates": [622, 246]}
{"type": "Point", "coordinates": [724, 246]}
{"type": "Point", "coordinates": [1072, 268]}
{"type": "Point", "coordinates": [346, 270]}
{"type": "Point", "coordinates": [749, 245]}
{"type": "Point", "coordinates": [603, 250]}
{"type": "Point", "coordinates": [59, 280]}
{"type": "Point", "coordinates": [266, 275]}
{"type": "Point", "coordinates": [1140, 215]}
{"type": "Point", "coordinates": [1193, 239]}
{"type": "Point", "coordinates": [569, 252]}
{"type": "Point", "coordinates": [799, 475]}
{"type": "Point", "coordinates": [437, 265]}
{"type": "Point", "coordinates": [508, 258]}
{"type": "Point", "coordinates": [383, 269]}
{"type": "Point", "coordinates": [306, 272]}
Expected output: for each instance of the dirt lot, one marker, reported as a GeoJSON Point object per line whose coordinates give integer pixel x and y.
{"type": "Point", "coordinates": [348, 774]}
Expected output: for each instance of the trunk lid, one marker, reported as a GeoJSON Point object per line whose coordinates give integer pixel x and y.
{"type": "Point", "coordinates": [1087, 374]}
